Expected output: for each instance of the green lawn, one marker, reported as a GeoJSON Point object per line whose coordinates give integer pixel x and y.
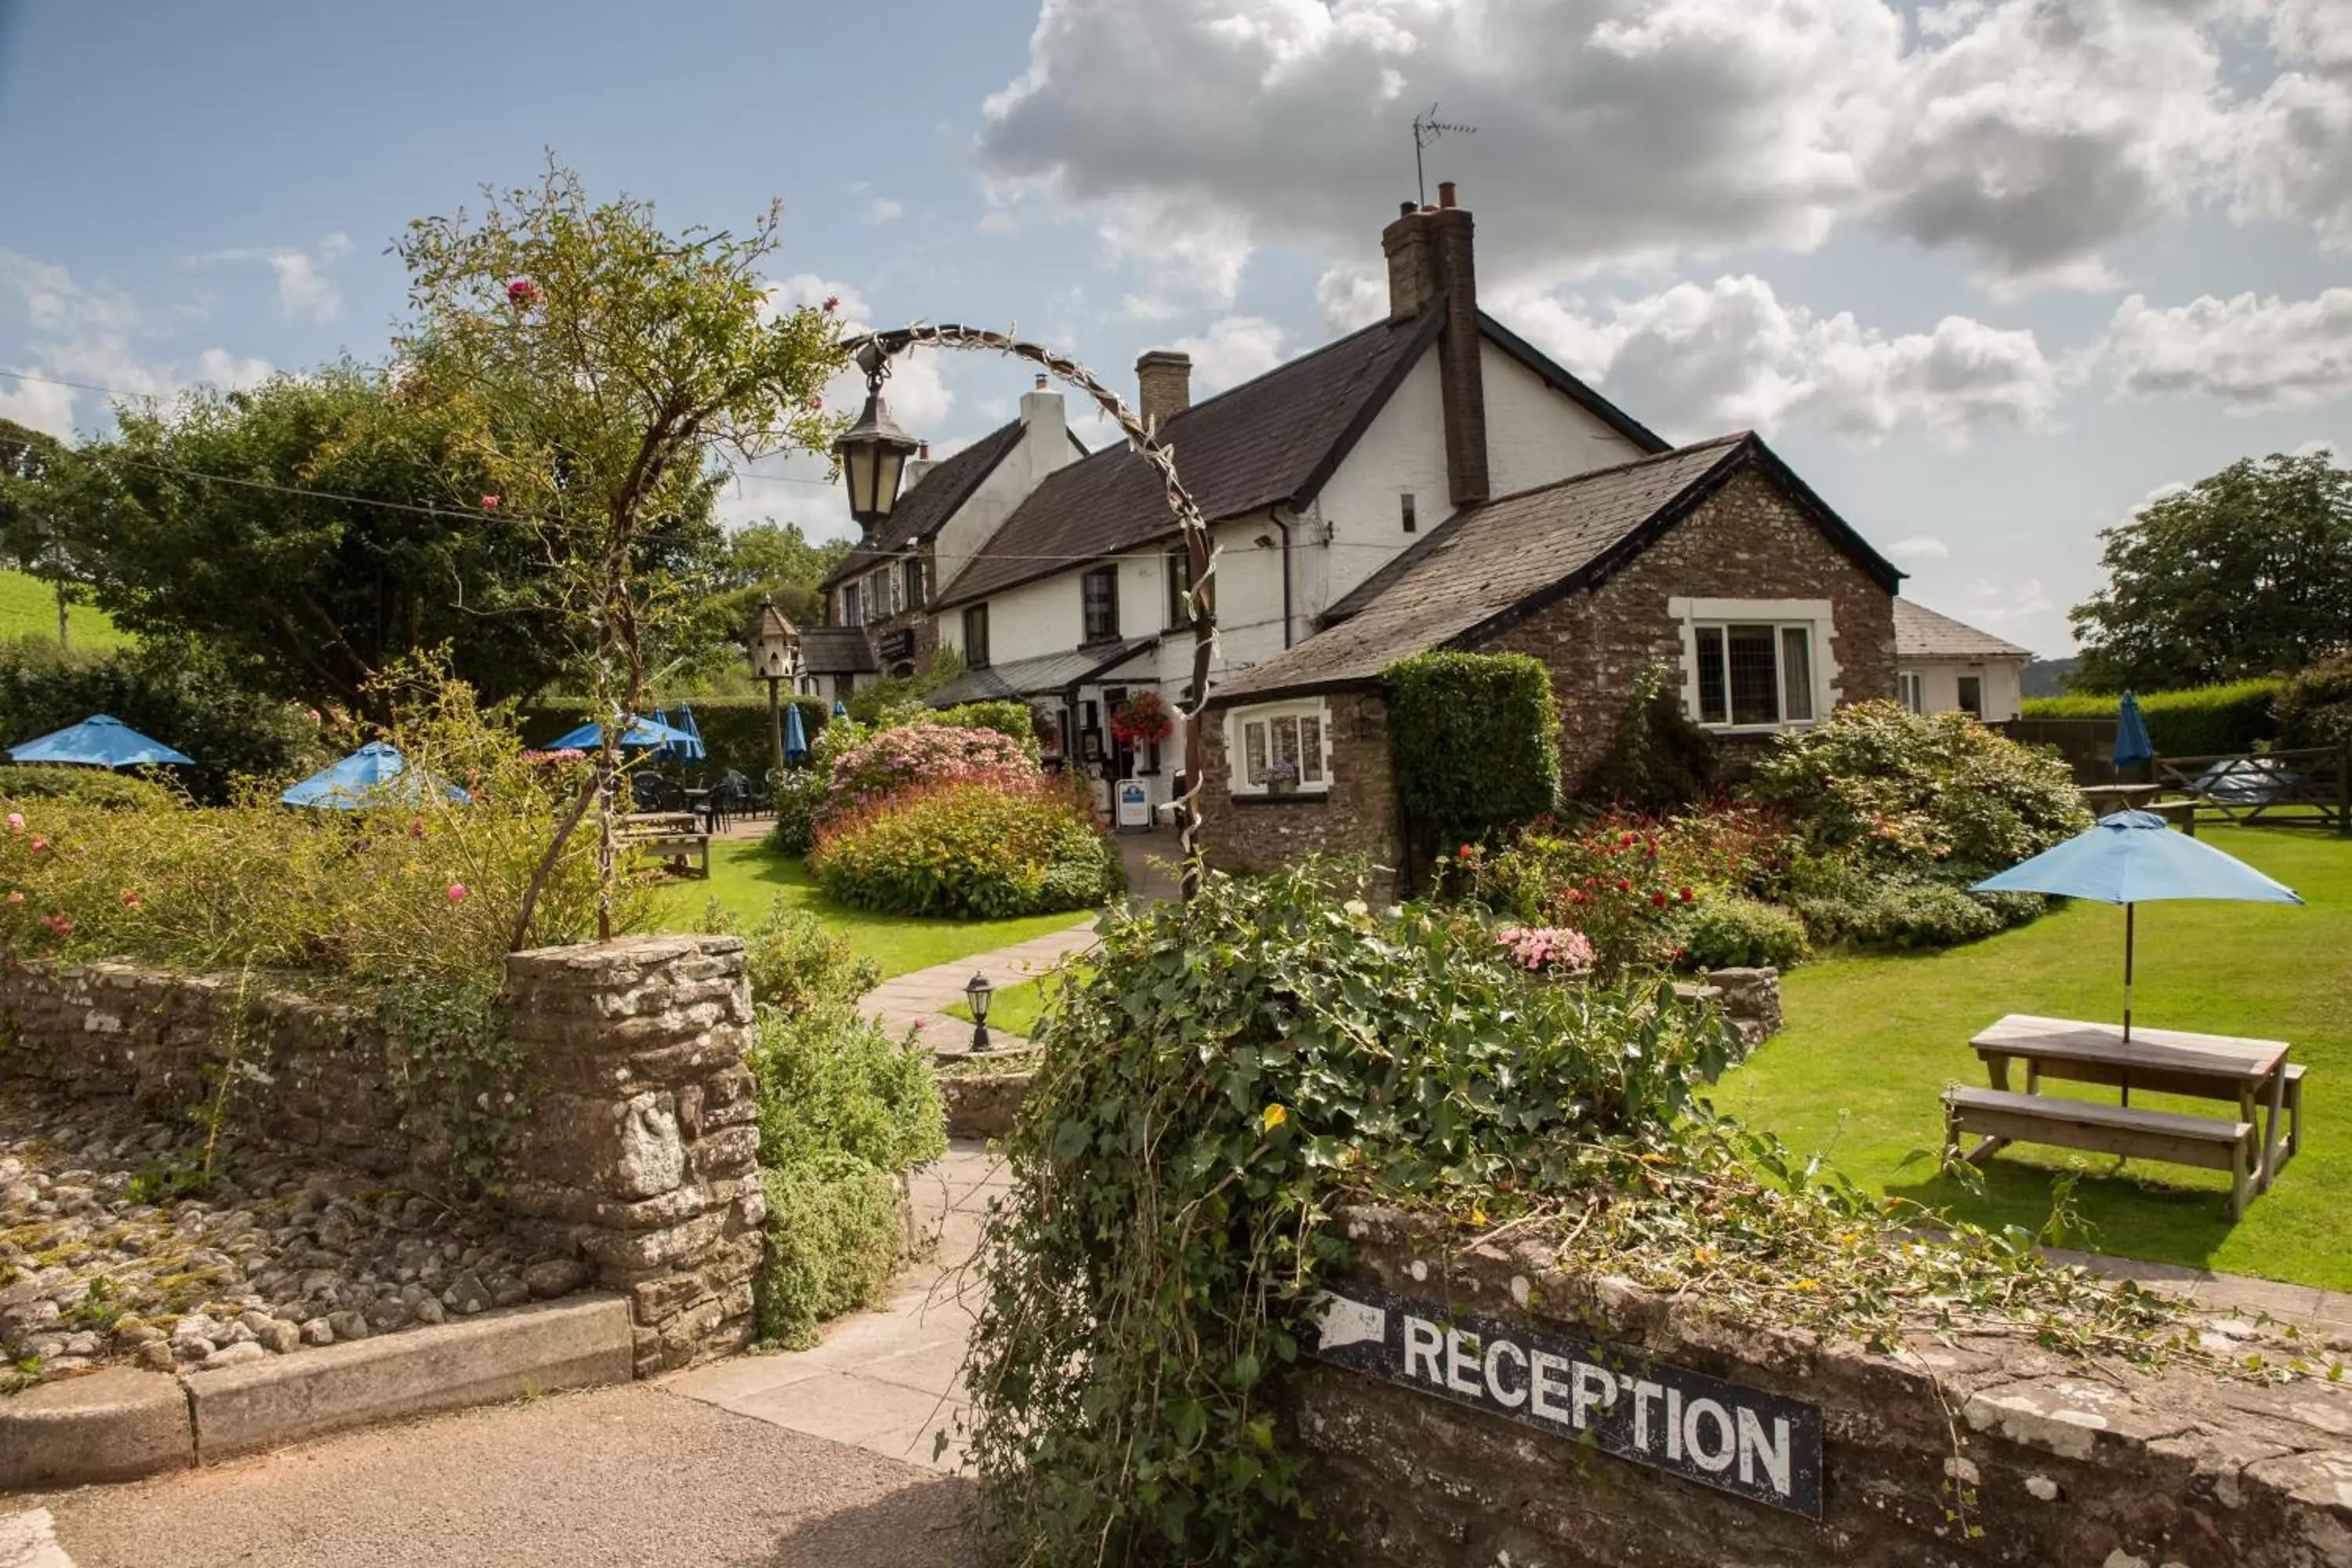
{"type": "Point", "coordinates": [1017, 1008]}
{"type": "Point", "coordinates": [29, 609]}
{"type": "Point", "coordinates": [1871, 1042]}
{"type": "Point", "coordinates": [747, 878]}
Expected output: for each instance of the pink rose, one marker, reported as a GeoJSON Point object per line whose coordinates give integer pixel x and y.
{"type": "Point", "coordinates": [15, 822]}
{"type": "Point", "coordinates": [39, 843]}
{"type": "Point", "coordinates": [456, 892]}
{"type": "Point", "coordinates": [489, 503]}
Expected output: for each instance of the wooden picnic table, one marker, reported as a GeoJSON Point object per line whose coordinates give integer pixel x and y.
{"type": "Point", "coordinates": [2109, 798]}
{"type": "Point", "coordinates": [2250, 1073]}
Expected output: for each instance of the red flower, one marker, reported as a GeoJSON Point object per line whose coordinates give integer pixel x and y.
{"type": "Point", "coordinates": [814, 403]}
{"type": "Point", "coordinates": [1658, 901]}
{"type": "Point", "coordinates": [456, 892]}
{"type": "Point", "coordinates": [416, 828]}
{"type": "Point", "coordinates": [59, 924]}
{"type": "Point", "coordinates": [1463, 853]}
{"type": "Point", "coordinates": [489, 503]}
{"type": "Point", "coordinates": [522, 293]}
{"type": "Point", "coordinates": [1623, 886]}
{"type": "Point", "coordinates": [130, 899]}
{"type": "Point", "coordinates": [1688, 895]}
{"type": "Point", "coordinates": [39, 843]}
{"type": "Point", "coordinates": [832, 303]}
{"type": "Point", "coordinates": [1624, 839]}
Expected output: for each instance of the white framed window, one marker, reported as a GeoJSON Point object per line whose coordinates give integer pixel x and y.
{"type": "Point", "coordinates": [1912, 688]}
{"type": "Point", "coordinates": [1279, 749]}
{"type": "Point", "coordinates": [852, 607]}
{"type": "Point", "coordinates": [1756, 664]}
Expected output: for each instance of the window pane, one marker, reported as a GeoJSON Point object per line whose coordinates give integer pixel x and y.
{"type": "Point", "coordinates": [851, 612]}
{"type": "Point", "coordinates": [975, 636]}
{"type": "Point", "coordinates": [1286, 740]}
{"type": "Point", "coordinates": [1310, 750]}
{"type": "Point", "coordinates": [1254, 752]}
{"type": "Point", "coordinates": [1755, 679]}
{"type": "Point", "coordinates": [914, 581]}
{"type": "Point", "coordinates": [1712, 709]}
{"type": "Point", "coordinates": [1796, 674]}
{"type": "Point", "coordinates": [1099, 589]}
{"type": "Point", "coordinates": [1180, 583]}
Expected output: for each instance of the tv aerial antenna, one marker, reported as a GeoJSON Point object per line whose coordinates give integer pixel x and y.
{"type": "Point", "coordinates": [1427, 127]}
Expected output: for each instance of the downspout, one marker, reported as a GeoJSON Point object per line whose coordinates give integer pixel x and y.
{"type": "Point", "coordinates": [1274, 515]}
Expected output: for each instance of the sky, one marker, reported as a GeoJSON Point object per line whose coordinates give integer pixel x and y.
{"type": "Point", "coordinates": [1989, 273]}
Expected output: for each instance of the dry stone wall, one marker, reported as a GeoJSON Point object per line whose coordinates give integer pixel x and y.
{"type": "Point", "coordinates": [637, 1156]}
{"type": "Point", "coordinates": [1963, 1456]}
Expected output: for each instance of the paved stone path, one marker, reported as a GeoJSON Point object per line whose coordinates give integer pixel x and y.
{"type": "Point", "coordinates": [921, 1000]}
{"type": "Point", "coordinates": [887, 1381]}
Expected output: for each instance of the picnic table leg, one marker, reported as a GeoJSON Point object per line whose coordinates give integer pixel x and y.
{"type": "Point", "coordinates": [2239, 1178]}
{"type": "Point", "coordinates": [1997, 1069]}
{"type": "Point", "coordinates": [2270, 1128]}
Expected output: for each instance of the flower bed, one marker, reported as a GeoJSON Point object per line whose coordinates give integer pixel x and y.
{"type": "Point", "coordinates": [972, 848]}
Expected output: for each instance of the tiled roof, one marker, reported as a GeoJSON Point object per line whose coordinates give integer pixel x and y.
{"type": "Point", "coordinates": [837, 650]}
{"type": "Point", "coordinates": [1921, 633]}
{"type": "Point", "coordinates": [1269, 439]}
{"type": "Point", "coordinates": [1043, 676]}
{"type": "Point", "coordinates": [930, 502]}
{"type": "Point", "coordinates": [1488, 561]}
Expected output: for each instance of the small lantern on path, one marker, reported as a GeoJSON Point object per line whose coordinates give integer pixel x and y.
{"type": "Point", "coordinates": [979, 992]}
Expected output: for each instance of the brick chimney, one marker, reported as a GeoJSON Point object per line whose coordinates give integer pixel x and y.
{"type": "Point", "coordinates": [917, 469]}
{"type": "Point", "coordinates": [1429, 253]}
{"type": "Point", "coordinates": [1163, 384]}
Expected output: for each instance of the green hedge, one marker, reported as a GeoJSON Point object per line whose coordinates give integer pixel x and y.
{"type": "Point", "coordinates": [1477, 741]}
{"type": "Point", "coordinates": [734, 729]}
{"type": "Point", "coordinates": [91, 787]}
{"type": "Point", "coordinates": [2204, 722]}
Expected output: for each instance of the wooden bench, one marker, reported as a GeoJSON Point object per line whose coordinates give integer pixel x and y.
{"type": "Point", "coordinates": [2001, 1118]}
{"type": "Point", "coordinates": [679, 848]}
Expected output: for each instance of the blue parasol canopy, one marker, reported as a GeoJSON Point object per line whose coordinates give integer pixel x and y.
{"type": "Point", "coordinates": [99, 741]}
{"type": "Point", "coordinates": [2133, 857]}
{"type": "Point", "coordinates": [2132, 745]}
{"type": "Point", "coordinates": [840, 709]}
{"type": "Point", "coordinates": [690, 751]}
{"type": "Point", "coordinates": [638, 733]}
{"type": "Point", "coordinates": [796, 745]}
{"type": "Point", "coordinates": [367, 778]}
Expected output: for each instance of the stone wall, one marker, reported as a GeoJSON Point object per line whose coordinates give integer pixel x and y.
{"type": "Point", "coordinates": [1748, 540]}
{"type": "Point", "coordinates": [638, 1155]}
{"type": "Point", "coordinates": [1355, 816]}
{"type": "Point", "coordinates": [1982, 1452]}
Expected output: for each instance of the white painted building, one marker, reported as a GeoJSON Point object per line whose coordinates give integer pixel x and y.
{"type": "Point", "coordinates": [1942, 665]}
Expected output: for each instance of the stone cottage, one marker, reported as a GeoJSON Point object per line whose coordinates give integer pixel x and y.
{"type": "Point", "coordinates": [1714, 557]}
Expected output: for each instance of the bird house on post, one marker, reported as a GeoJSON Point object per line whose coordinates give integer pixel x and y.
{"type": "Point", "coordinates": [774, 644]}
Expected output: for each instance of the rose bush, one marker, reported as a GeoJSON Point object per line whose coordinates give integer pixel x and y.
{"type": "Point", "coordinates": [977, 849]}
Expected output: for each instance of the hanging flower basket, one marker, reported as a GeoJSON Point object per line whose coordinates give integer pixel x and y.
{"type": "Point", "coordinates": [1143, 720]}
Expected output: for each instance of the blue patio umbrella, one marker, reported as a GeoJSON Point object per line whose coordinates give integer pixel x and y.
{"type": "Point", "coordinates": [796, 745]}
{"type": "Point", "coordinates": [840, 709]}
{"type": "Point", "coordinates": [636, 732]}
{"type": "Point", "coordinates": [100, 740]}
{"type": "Point", "coordinates": [2132, 858]}
{"type": "Point", "coordinates": [691, 749]}
{"type": "Point", "coordinates": [2131, 746]}
{"type": "Point", "coordinates": [375, 775]}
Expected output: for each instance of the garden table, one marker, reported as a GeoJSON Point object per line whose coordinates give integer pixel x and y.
{"type": "Point", "coordinates": [2248, 1072]}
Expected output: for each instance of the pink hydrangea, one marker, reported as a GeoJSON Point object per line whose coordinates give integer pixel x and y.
{"type": "Point", "coordinates": [913, 754]}
{"type": "Point", "coordinates": [1542, 949]}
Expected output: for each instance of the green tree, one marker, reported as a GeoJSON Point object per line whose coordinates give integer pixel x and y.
{"type": "Point", "coordinates": [37, 474]}
{"type": "Point", "coordinates": [316, 530]}
{"type": "Point", "coordinates": [2247, 572]}
{"type": "Point", "coordinates": [599, 370]}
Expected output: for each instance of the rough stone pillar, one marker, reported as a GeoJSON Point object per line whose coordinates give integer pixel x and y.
{"type": "Point", "coordinates": [643, 1142]}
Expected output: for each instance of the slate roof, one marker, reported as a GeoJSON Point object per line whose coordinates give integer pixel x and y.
{"type": "Point", "coordinates": [837, 650]}
{"type": "Point", "coordinates": [1046, 674]}
{"type": "Point", "coordinates": [1489, 565]}
{"type": "Point", "coordinates": [933, 499]}
{"type": "Point", "coordinates": [1921, 633]}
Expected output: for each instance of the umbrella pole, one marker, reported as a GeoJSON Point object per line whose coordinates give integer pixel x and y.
{"type": "Point", "coordinates": [2129, 911]}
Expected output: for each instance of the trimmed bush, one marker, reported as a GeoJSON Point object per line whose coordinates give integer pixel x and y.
{"type": "Point", "coordinates": [835, 1237]}
{"type": "Point", "coordinates": [971, 849]}
{"type": "Point", "coordinates": [1736, 932]}
{"type": "Point", "coordinates": [2204, 722]}
{"type": "Point", "coordinates": [2314, 707]}
{"type": "Point", "coordinates": [1477, 741]}
{"type": "Point", "coordinates": [91, 787]}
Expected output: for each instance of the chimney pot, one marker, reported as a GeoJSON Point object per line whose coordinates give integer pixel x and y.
{"type": "Point", "coordinates": [1041, 381]}
{"type": "Point", "coordinates": [1445, 193]}
{"type": "Point", "coordinates": [922, 449]}
{"type": "Point", "coordinates": [1163, 384]}
{"type": "Point", "coordinates": [1406, 209]}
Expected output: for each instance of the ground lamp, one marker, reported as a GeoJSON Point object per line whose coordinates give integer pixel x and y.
{"type": "Point", "coordinates": [874, 451]}
{"type": "Point", "coordinates": [775, 658]}
{"type": "Point", "coordinates": [979, 992]}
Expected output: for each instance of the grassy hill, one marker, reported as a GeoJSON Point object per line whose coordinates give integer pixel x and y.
{"type": "Point", "coordinates": [29, 609]}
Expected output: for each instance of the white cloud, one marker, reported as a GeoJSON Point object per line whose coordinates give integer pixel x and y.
{"type": "Point", "coordinates": [996, 220]}
{"type": "Point", "coordinates": [2318, 31]}
{"type": "Point", "coordinates": [881, 209]}
{"type": "Point", "coordinates": [37, 405]}
{"type": "Point", "coordinates": [919, 401]}
{"type": "Point", "coordinates": [1920, 547]}
{"type": "Point", "coordinates": [303, 291]}
{"type": "Point", "coordinates": [2028, 134]}
{"type": "Point", "coordinates": [2255, 353]}
{"type": "Point", "coordinates": [1703, 359]}
{"type": "Point", "coordinates": [1233, 349]}
{"type": "Point", "coordinates": [102, 337]}
{"type": "Point", "coordinates": [1146, 308]}
{"type": "Point", "coordinates": [1992, 603]}
{"type": "Point", "coordinates": [1347, 298]}
{"type": "Point", "coordinates": [2294, 156]}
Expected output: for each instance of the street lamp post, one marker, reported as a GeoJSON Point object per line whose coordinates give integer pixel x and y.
{"type": "Point", "coordinates": [776, 649]}
{"type": "Point", "coordinates": [873, 455]}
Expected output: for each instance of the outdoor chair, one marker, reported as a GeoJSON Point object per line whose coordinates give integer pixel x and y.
{"type": "Point", "coordinates": [651, 791]}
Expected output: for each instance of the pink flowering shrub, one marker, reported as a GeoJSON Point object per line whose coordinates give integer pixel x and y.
{"type": "Point", "coordinates": [970, 848]}
{"type": "Point", "coordinates": [891, 760]}
{"type": "Point", "coordinates": [1558, 950]}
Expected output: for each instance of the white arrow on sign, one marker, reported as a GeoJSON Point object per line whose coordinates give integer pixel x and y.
{"type": "Point", "coordinates": [1345, 1322]}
